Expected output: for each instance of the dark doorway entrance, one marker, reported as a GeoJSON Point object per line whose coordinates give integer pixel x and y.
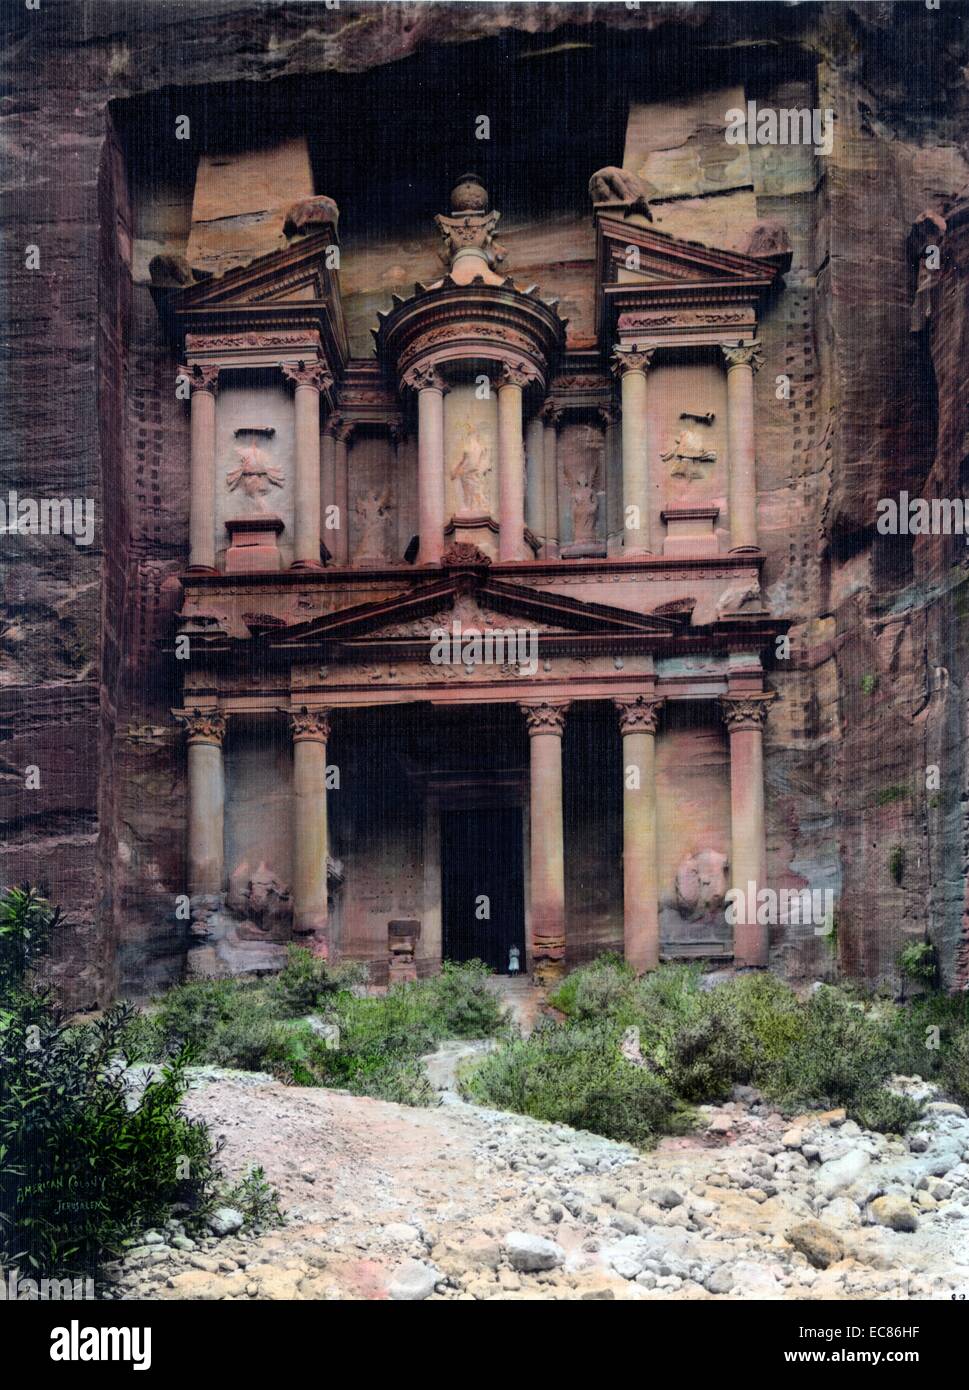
{"type": "Point", "coordinates": [482, 873]}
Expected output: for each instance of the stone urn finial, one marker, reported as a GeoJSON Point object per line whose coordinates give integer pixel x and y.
{"type": "Point", "coordinates": [468, 195]}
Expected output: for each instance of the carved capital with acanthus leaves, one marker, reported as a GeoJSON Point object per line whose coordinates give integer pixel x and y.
{"type": "Point", "coordinates": [744, 355]}
{"type": "Point", "coordinates": [746, 711]}
{"type": "Point", "coordinates": [638, 714]}
{"type": "Point", "coordinates": [424, 378]}
{"type": "Point", "coordinates": [203, 725]}
{"type": "Point", "coordinates": [309, 725]}
{"type": "Point", "coordinates": [201, 376]}
{"type": "Point", "coordinates": [631, 359]}
{"type": "Point", "coordinates": [548, 717]}
{"type": "Point", "coordinates": [518, 374]}
{"type": "Point", "coordinates": [314, 374]}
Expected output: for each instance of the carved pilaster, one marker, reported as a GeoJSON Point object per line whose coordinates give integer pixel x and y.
{"type": "Point", "coordinates": [546, 717]}
{"type": "Point", "coordinates": [746, 711]}
{"type": "Point", "coordinates": [203, 726]}
{"type": "Point", "coordinates": [551, 415]}
{"type": "Point", "coordinates": [638, 714]}
{"type": "Point", "coordinates": [744, 355]}
{"type": "Point", "coordinates": [310, 725]}
{"type": "Point", "coordinates": [344, 431]}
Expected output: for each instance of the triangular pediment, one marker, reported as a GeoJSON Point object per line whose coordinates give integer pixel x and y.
{"type": "Point", "coordinates": [293, 287]}
{"type": "Point", "coordinates": [415, 615]}
{"type": "Point", "coordinates": [660, 258]}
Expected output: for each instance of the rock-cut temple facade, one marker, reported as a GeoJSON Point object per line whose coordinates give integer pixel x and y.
{"type": "Point", "coordinates": [410, 573]}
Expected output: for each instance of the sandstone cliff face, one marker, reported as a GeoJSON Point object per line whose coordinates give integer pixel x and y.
{"type": "Point", "coordinates": [876, 692]}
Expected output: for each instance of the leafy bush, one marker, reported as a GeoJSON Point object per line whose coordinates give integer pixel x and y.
{"type": "Point", "coordinates": [82, 1161]}
{"type": "Point", "coordinates": [602, 990]}
{"type": "Point", "coordinates": [919, 962]}
{"type": "Point", "coordinates": [577, 1076]}
{"type": "Point", "coordinates": [460, 1003]}
{"type": "Point", "coordinates": [885, 1111]}
{"type": "Point", "coordinates": [708, 1055]}
{"type": "Point", "coordinates": [306, 982]}
{"type": "Point", "coordinates": [841, 1054]}
{"type": "Point", "coordinates": [955, 1067]}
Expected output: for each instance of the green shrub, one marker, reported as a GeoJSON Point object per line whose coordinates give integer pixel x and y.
{"type": "Point", "coordinates": [27, 923]}
{"type": "Point", "coordinates": [307, 983]}
{"type": "Point", "coordinates": [711, 1053]}
{"type": "Point", "coordinates": [955, 1066]}
{"type": "Point", "coordinates": [918, 961]}
{"type": "Point", "coordinates": [256, 1198]}
{"type": "Point", "coordinates": [602, 990]}
{"type": "Point", "coordinates": [885, 1111]}
{"type": "Point", "coordinates": [841, 1055]}
{"type": "Point", "coordinates": [460, 1003]}
{"type": "Point", "coordinates": [577, 1076]}
{"type": "Point", "coordinates": [768, 1012]}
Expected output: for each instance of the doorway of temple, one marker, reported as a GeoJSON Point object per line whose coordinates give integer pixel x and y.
{"type": "Point", "coordinates": [482, 883]}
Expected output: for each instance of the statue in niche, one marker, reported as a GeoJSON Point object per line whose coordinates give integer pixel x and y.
{"type": "Point", "coordinates": [371, 507]}
{"type": "Point", "coordinates": [582, 481]}
{"type": "Point", "coordinates": [471, 471]}
{"type": "Point", "coordinates": [701, 885]}
{"type": "Point", "coordinates": [255, 473]}
{"type": "Point", "coordinates": [687, 456]}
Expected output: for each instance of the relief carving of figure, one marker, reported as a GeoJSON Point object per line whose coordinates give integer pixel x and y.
{"type": "Point", "coordinates": [701, 885]}
{"type": "Point", "coordinates": [371, 508]}
{"type": "Point", "coordinates": [582, 483]}
{"type": "Point", "coordinates": [687, 456]}
{"type": "Point", "coordinates": [471, 471]}
{"type": "Point", "coordinates": [254, 472]}
{"type": "Point", "coordinates": [262, 902]}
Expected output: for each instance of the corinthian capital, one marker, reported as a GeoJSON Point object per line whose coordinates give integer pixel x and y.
{"type": "Point", "coordinates": [744, 355]}
{"type": "Point", "coordinates": [631, 359]}
{"type": "Point", "coordinates": [746, 711]}
{"type": "Point", "coordinates": [516, 374]}
{"type": "Point", "coordinates": [545, 718]}
{"type": "Point", "coordinates": [313, 373]}
{"type": "Point", "coordinates": [638, 714]}
{"type": "Point", "coordinates": [424, 378]}
{"type": "Point", "coordinates": [203, 725]}
{"type": "Point", "coordinates": [201, 376]}
{"type": "Point", "coordinates": [309, 725]}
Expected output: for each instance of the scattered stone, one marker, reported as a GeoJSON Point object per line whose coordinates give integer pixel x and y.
{"type": "Point", "coordinates": [894, 1211]}
{"type": "Point", "coordinates": [527, 1253]}
{"type": "Point", "coordinates": [225, 1221]}
{"type": "Point", "coordinates": [665, 1197]}
{"type": "Point", "coordinates": [413, 1282]}
{"type": "Point", "coordinates": [818, 1242]}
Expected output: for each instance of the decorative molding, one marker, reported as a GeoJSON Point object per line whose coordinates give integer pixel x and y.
{"type": "Point", "coordinates": [631, 359]}
{"type": "Point", "coordinates": [545, 718]}
{"type": "Point", "coordinates": [201, 376]}
{"type": "Point", "coordinates": [460, 553]}
{"type": "Point", "coordinates": [638, 715]}
{"type": "Point", "coordinates": [309, 725]}
{"type": "Point", "coordinates": [744, 355]}
{"type": "Point", "coordinates": [203, 726]}
{"type": "Point", "coordinates": [746, 711]}
{"type": "Point", "coordinates": [214, 342]}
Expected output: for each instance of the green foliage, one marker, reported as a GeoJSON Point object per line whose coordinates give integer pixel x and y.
{"type": "Point", "coordinates": [603, 989]}
{"type": "Point", "coordinates": [27, 923]}
{"type": "Point", "coordinates": [955, 1066]}
{"type": "Point", "coordinates": [576, 1076]}
{"type": "Point", "coordinates": [919, 962]}
{"type": "Point", "coordinates": [306, 983]}
{"type": "Point", "coordinates": [885, 1111]}
{"type": "Point", "coordinates": [254, 1196]}
{"type": "Point", "coordinates": [896, 864]}
{"type": "Point", "coordinates": [840, 1055]}
{"type": "Point", "coordinates": [886, 795]}
{"type": "Point", "coordinates": [869, 684]}
{"type": "Point", "coordinates": [461, 1004]}
{"type": "Point", "coordinates": [710, 1054]}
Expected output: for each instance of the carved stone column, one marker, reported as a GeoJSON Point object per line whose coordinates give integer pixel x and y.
{"type": "Point", "coordinates": [630, 365]}
{"type": "Point", "coordinates": [742, 362]}
{"type": "Point", "coordinates": [552, 418]}
{"type": "Point", "coordinates": [206, 801]}
{"type": "Point", "coordinates": [744, 716]}
{"type": "Point", "coordinates": [311, 729]}
{"type": "Point", "coordinates": [331, 537]}
{"type": "Point", "coordinates": [344, 434]}
{"type": "Point", "coordinates": [535, 477]}
{"type": "Point", "coordinates": [430, 387]}
{"type": "Point", "coordinates": [638, 717]}
{"type": "Point", "coordinates": [511, 463]}
{"type": "Point", "coordinates": [204, 382]}
{"type": "Point", "coordinates": [546, 722]}
{"type": "Point", "coordinates": [309, 378]}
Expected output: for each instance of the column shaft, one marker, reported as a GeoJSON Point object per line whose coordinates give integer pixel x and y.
{"type": "Point", "coordinates": [430, 473]}
{"type": "Point", "coordinates": [547, 849]}
{"type": "Point", "coordinates": [742, 362]}
{"type": "Point", "coordinates": [748, 859]}
{"type": "Point", "coordinates": [328, 484]}
{"type": "Point", "coordinates": [206, 803]}
{"type": "Point", "coordinates": [511, 473]}
{"type": "Point", "coordinates": [640, 880]}
{"type": "Point", "coordinates": [551, 417]}
{"type": "Point", "coordinates": [201, 544]}
{"type": "Point", "coordinates": [631, 365]}
{"type": "Point", "coordinates": [306, 500]}
{"type": "Point", "coordinates": [535, 478]}
{"type": "Point", "coordinates": [341, 536]}
{"type": "Point", "coordinates": [310, 829]}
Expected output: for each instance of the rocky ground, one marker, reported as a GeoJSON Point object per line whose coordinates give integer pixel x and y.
{"type": "Point", "coordinates": [458, 1202]}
